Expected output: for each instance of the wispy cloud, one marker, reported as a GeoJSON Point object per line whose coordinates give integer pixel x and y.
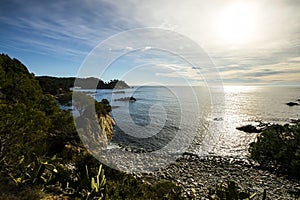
{"type": "Point", "coordinates": [276, 41]}
{"type": "Point", "coordinates": [62, 27]}
{"type": "Point", "coordinates": [70, 30]}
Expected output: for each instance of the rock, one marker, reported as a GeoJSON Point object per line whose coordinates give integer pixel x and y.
{"type": "Point", "coordinates": [132, 98]}
{"type": "Point", "coordinates": [218, 119]}
{"type": "Point", "coordinates": [189, 155]}
{"type": "Point", "coordinates": [107, 123]}
{"type": "Point", "coordinates": [198, 177]}
{"type": "Point", "coordinates": [126, 99]}
{"type": "Point", "coordinates": [119, 92]}
{"type": "Point", "coordinates": [295, 121]}
{"type": "Point", "coordinates": [249, 129]}
{"type": "Point", "coordinates": [292, 104]}
{"type": "Point", "coordinates": [91, 133]}
{"type": "Point", "coordinates": [193, 190]}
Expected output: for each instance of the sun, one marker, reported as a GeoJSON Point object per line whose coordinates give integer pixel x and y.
{"type": "Point", "coordinates": [237, 23]}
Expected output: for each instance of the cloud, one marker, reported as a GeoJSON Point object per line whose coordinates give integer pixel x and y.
{"type": "Point", "coordinates": [276, 39]}
{"type": "Point", "coordinates": [59, 26]}
{"type": "Point", "coordinates": [129, 48]}
{"type": "Point", "coordinates": [70, 30]}
{"type": "Point", "coordinates": [147, 48]}
{"type": "Point", "coordinates": [280, 72]}
{"type": "Point", "coordinates": [179, 71]}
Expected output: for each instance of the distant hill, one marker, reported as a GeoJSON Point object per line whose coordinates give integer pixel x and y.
{"type": "Point", "coordinates": [55, 85]}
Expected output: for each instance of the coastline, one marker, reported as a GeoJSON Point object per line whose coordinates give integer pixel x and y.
{"type": "Point", "coordinates": [198, 175]}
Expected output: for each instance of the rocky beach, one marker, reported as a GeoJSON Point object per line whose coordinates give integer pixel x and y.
{"type": "Point", "coordinates": [199, 175]}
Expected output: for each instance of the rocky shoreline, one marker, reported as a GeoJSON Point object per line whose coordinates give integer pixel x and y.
{"type": "Point", "coordinates": [198, 175]}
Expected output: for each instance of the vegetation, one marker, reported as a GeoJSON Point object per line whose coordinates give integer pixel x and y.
{"type": "Point", "coordinates": [56, 86]}
{"type": "Point", "coordinates": [85, 104]}
{"type": "Point", "coordinates": [278, 148]}
{"type": "Point", "coordinates": [120, 185]}
{"type": "Point", "coordinates": [40, 151]}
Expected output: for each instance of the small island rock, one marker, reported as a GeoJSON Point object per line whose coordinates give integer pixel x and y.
{"type": "Point", "coordinates": [249, 129]}
{"type": "Point", "coordinates": [132, 98]}
{"type": "Point", "coordinates": [292, 104]}
{"type": "Point", "coordinates": [126, 99]}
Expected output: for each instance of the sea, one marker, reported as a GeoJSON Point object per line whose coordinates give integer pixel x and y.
{"type": "Point", "coordinates": [196, 119]}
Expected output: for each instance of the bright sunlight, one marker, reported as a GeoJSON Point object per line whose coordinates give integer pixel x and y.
{"type": "Point", "coordinates": [238, 23]}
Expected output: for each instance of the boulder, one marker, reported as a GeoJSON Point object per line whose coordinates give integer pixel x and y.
{"type": "Point", "coordinates": [292, 104]}
{"type": "Point", "coordinates": [132, 98]}
{"type": "Point", "coordinates": [249, 129]}
{"type": "Point", "coordinates": [295, 121]}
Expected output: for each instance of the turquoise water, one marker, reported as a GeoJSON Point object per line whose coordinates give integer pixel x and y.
{"type": "Point", "coordinates": [205, 119]}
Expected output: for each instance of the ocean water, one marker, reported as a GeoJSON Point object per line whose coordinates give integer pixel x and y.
{"type": "Point", "coordinates": [197, 119]}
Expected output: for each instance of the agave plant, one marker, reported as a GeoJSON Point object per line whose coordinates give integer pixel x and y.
{"type": "Point", "coordinates": [96, 188]}
{"type": "Point", "coordinates": [37, 172]}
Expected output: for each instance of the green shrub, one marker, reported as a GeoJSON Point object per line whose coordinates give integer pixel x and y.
{"type": "Point", "coordinates": [38, 172]}
{"type": "Point", "coordinates": [33, 129]}
{"type": "Point", "coordinates": [278, 147]}
{"type": "Point", "coordinates": [65, 99]}
{"type": "Point", "coordinates": [86, 104]}
{"type": "Point", "coordinates": [121, 185]}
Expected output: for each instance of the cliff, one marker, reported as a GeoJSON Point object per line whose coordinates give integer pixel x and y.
{"type": "Point", "coordinates": [107, 123]}
{"type": "Point", "coordinates": [95, 131]}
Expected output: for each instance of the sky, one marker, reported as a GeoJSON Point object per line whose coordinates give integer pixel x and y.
{"type": "Point", "coordinates": [247, 41]}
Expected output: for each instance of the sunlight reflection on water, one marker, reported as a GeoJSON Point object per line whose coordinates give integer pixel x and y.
{"type": "Point", "coordinates": [217, 133]}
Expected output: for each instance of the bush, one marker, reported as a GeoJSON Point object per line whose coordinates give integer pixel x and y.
{"type": "Point", "coordinates": [278, 147]}
{"type": "Point", "coordinates": [65, 99]}
{"type": "Point", "coordinates": [33, 130]}
{"type": "Point", "coordinates": [120, 185]}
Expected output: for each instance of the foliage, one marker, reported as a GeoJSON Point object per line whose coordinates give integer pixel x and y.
{"type": "Point", "coordinates": [23, 122]}
{"type": "Point", "coordinates": [8, 190]}
{"type": "Point", "coordinates": [22, 129]}
{"type": "Point", "coordinates": [120, 185]}
{"type": "Point", "coordinates": [65, 99]}
{"type": "Point", "coordinates": [231, 191]}
{"type": "Point", "coordinates": [278, 147]}
{"type": "Point", "coordinates": [125, 186]}
{"type": "Point", "coordinates": [103, 107]}
{"type": "Point", "coordinates": [34, 132]}
{"type": "Point", "coordinates": [117, 84]}
{"type": "Point", "coordinates": [56, 86]}
{"type": "Point", "coordinates": [87, 105]}
{"type": "Point", "coordinates": [31, 123]}
{"type": "Point", "coordinates": [97, 185]}
{"type": "Point", "coordinates": [17, 85]}
{"type": "Point", "coordinates": [38, 172]}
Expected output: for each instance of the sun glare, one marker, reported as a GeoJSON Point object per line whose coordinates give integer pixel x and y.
{"type": "Point", "coordinates": [239, 89]}
{"type": "Point", "coordinates": [238, 23]}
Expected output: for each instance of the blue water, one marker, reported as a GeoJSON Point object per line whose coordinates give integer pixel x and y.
{"type": "Point", "coordinates": [203, 119]}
